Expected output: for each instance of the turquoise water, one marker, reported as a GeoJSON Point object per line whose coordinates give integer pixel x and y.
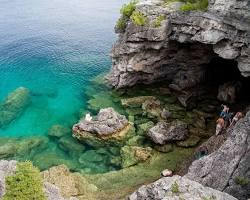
{"type": "Point", "coordinates": [53, 48]}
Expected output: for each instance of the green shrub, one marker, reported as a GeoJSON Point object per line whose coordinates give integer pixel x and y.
{"type": "Point", "coordinates": [195, 5]}
{"type": "Point", "coordinates": [175, 188]}
{"type": "Point", "coordinates": [128, 9]}
{"type": "Point", "coordinates": [158, 20]}
{"type": "Point", "coordinates": [25, 184]}
{"type": "Point", "coordinates": [121, 24]}
{"type": "Point", "coordinates": [126, 12]}
{"type": "Point", "coordinates": [241, 181]}
{"type": "Point", "coordinates": [138, 18]}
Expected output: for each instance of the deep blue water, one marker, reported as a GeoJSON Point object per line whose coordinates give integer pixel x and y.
{"type": "Point", "coordinates": [53, 48]}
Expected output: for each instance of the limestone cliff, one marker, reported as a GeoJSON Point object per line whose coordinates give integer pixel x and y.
{"type": "Point", "coordinates": [184, 43]}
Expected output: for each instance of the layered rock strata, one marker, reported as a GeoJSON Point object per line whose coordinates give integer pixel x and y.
{"type": "Point", "coordinates": [182, 47]}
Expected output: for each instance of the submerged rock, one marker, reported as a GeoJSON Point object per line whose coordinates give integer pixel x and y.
{"type": "Point", "coordinates": [168, 132]}
{"type": "Point", "coordinates": [142, 129]}
{"type": "Point", "coordinates": [14, 104]}
{"type": "Point", "coordinates": [164, 148]}
{"type": "Point", "coordinates": [109, 127]}
{"type": "Point", "coordinates": [136, 102]}
{"type": "Point", "coordinates": [190, 142]}
{"type": "Point", "coordinates": [91, 156]}
{"type": "Point", "coordinates": [132, 155]}
{"type": "Point", "coordinates": [177, 187]}
{"type": "Point", "coordinates": [58, 131]}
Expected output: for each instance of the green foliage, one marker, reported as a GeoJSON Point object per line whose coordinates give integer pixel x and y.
{"type": "Point", "coordinates": [175, 188]}
{"type": "Point", "coordinates": [121, 24]}
{"type": "Point", "coordinates": [158, 20]}
{"type": "Point", "coordinates": [241, 181]}
{"type": "Point", "coordinates": [194, 5]}
{"type": "Point", "coordinates": [25, 184]}
{"type": "Point", "coordinates": [126, 12]}
{"type": "Point", "coordinates": [128, 9]}
{"type": "Point", "coordinates": [138, 18]}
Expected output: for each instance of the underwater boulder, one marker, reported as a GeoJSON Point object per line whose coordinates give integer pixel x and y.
{"type": "Point", "coordinates": [58, 131]}
{"type": "Point", "coordinates": [143, 128]}
{"type": "Point", "coordinates": [13, 105]}
{"type": "Point", "coordinates": [192, 141]}
{"type": "Point", "coordinates": [30, 145]}
{"type": "Point", "coordinates": [132, 155]}
{"type": "Point", "coordinates": [109, 128]}
{"type": "Point", "coordinates": [136, 102]}
{"type": "Point", "coordinates": [166, 148]}
{"type": "Point", "coordinates": [71, 145]}
{"type": "Point", "coordinates": [91, 156]}
{"type": "Point", "coordinates": [7, 150]}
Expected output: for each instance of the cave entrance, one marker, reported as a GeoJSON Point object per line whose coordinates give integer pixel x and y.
{"type": "Point", "coordinates": [221, 70]}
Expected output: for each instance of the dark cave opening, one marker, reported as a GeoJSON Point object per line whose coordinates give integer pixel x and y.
{"type": "Point", "coordinates": [221, 71]}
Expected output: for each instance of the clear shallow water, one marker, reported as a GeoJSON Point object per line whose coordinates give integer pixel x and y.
{"type": "Point", "coordinates": [53, 48]}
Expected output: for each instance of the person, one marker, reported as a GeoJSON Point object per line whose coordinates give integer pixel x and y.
{"type": "Point", "coordinates": [220, 125]}
{"type": "Point", "coordinates": [228, 119]}
{"type": "Point", "coordinates": [236, 118]}
{"type": "Point", "coordinates": [225, 110]}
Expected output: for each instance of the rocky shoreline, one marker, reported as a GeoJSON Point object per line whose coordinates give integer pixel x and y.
{"type": "Point", "coordinates": [130, 135]}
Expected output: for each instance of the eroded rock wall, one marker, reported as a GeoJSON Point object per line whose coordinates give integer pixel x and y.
{"type": "Point", "coordinates": [184, 43]}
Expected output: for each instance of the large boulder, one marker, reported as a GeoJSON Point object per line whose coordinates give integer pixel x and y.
{"type": "Point", "coordinates": [168, 132]}
{"type": "Point", "coordinates": [227, 168]}
{"type": "Point", "coordinates": [176, 187]}
{"type": "Point", "coordinates": [13, 105]}
{"type": "Point", "coordinates": [109, 127]}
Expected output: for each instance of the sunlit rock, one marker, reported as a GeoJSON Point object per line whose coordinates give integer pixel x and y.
{"type": "Point", "coordinates": [168, 132]}
{"type": "Point", "coordinates": [109, 127]}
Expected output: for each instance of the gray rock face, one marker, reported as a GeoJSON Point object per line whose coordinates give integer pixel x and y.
{"type": "Point", "coordinates": [107, 122]}
{"type": "Point", "coordinates": [228, 168]}
{"type": "Point", "coordinates": [229, 91]}
{"type": "Point", "coordinates": [176, 187]}
{"type": "Point", "coordinates": [168, 132]}
{"type": "Point", "coordinates": [180, 49]}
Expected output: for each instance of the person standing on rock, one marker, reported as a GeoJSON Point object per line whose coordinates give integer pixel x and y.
{"type": "Point", "coordinates": [220, 125]}
{"type": "Point", "coordinates": [236, 118]}
{"type": "Point", "coordinates": [224, 111]}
